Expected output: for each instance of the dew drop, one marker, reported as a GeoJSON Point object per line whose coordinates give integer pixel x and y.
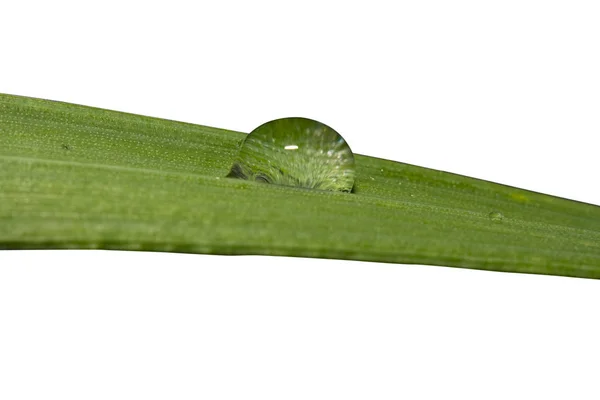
{"type": "Point", "coordinates": [297, 152]}
{"type": "Point", "coordinates": [496, 216]}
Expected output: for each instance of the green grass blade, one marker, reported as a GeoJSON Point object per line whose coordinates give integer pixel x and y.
{"type": "Point", "coordinates": [80, 177]}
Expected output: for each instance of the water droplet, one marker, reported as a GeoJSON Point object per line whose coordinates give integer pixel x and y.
{"type": "Point", "coordinates": [496, 216]}
{"type": "Point", "coordinates": [296, 152]}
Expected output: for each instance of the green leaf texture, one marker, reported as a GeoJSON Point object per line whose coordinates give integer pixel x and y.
{"type": "Point", "coordinates": [78, 177]}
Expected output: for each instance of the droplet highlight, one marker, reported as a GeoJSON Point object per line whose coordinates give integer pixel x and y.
{"type": "Point", "coordinates": [297, 152]}
{"type": "Point", "coordinates": [496, 216]}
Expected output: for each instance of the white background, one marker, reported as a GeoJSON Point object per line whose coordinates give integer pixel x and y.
{"type": "Point", "coordinates": [506, 91]}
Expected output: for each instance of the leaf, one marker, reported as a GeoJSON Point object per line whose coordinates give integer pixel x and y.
{"type": "Point", "coordinates": [80, 177]}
